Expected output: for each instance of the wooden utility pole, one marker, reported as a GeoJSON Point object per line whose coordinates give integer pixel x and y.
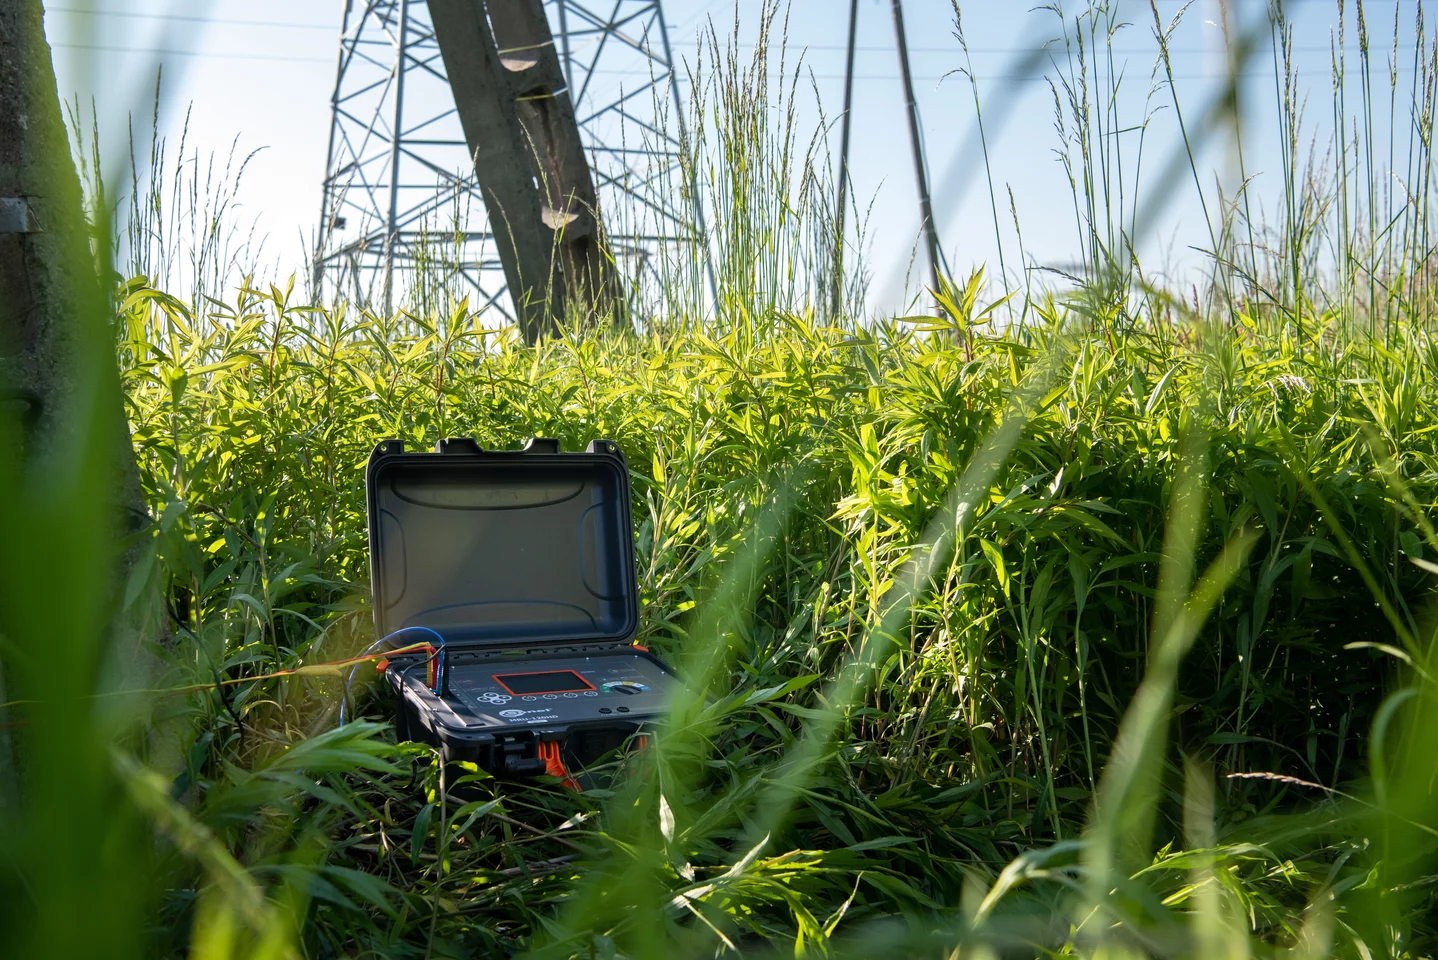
{"type": "Point", "coordinates": [55, 337]}
{"type": "Point", "coordinates": [62, 422]}
{"type": "Point", "coordinates": [926, 208]}
{"type": "Point", "coordinates": [838, 296]}
{"type": "Point", "coordinates": [513, 103]}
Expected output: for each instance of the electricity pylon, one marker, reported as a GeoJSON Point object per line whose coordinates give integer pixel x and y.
{"type": "Point", "coordinates": [404, 190]}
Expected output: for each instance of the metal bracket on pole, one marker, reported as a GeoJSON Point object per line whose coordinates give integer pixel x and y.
{"type": "Point", "coordinates": [16, 217]}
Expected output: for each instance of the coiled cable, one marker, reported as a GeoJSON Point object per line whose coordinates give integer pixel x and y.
{"type": "Point", "coordinates": [439, 673]}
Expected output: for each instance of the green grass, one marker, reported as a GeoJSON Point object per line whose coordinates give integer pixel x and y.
{"type": "Point", "coordinates": [1104, 630]}
{"type": "Point", "coordinates": [783, 479]}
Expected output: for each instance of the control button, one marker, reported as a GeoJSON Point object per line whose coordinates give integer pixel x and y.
{"type": "Point", "coordinates": [550, 696]}
{"type": "Point", "coordinates": [623, 709]}
{"type": "Point", "coordinates": [529, 699]}
{"type": "Point", "coordinates": [605, 710]}
{"type": "Point", "coordinates": [571, 696]}
{"type": "Point", "coordinates": [591, 693]}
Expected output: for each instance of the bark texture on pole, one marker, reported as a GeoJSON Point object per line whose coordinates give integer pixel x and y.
{"type": "Point", "coordinates": [61, 406]}
{"type": "Point", "coordinates": [53, 311]}
{"type": "Point", "coordinates": [513, 103]}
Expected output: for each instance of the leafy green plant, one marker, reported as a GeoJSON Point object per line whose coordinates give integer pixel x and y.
{"type": "Point", "coordinates": [1090, 623]}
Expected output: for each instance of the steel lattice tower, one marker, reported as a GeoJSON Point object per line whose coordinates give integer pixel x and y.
{"type": "Point", "coordinates": [401, 197]}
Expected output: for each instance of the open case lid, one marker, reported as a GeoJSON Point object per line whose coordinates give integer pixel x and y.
{"type": "Point", "coordinates": [502, 547]}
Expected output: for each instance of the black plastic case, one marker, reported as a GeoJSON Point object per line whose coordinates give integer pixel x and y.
{"type": "Point", "coordinates": [523, 561]}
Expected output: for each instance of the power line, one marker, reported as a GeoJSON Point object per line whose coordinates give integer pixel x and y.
{"type": "Point", "coordinates": [207, 54]}
{"type": "Point", "coordinates": [1351, 48]}
{"type": "Point", "coordinates": [862, 48]}
{"type": "Point", "coordinates": [183, 18]}
{"type": "Point", "coordinates": [871, 77]}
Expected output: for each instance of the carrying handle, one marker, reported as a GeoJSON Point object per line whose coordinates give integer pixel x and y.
{"type": "Point", "coordinates": [468, 446]}
{"type": "Point", "coordinates": [458, 445]}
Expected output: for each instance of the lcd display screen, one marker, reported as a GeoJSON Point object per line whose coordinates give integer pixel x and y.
{"type": "Point", "coordinates": [552, 681]}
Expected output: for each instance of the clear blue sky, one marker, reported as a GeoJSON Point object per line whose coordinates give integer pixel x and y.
{"type": "Point", "coordinates": [263, 71]}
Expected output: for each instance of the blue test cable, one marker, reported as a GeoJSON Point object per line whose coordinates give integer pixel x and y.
{"type": "Point", "coordinates": [439, 672]}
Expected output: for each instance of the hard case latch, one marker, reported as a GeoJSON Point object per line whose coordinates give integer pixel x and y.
{"type": "Point", "coordinates": [515, 762]}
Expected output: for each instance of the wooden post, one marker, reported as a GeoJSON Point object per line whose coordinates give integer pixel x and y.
{"type": "Point", "coordinates": [54, 316]}
{"type": "Point", "coordinates": [838, 296]}
{"type": "Point", "coordinates": [513, 103]}
{"type": "Point", "coordinates": [61, 408]}
{"type": "Point", "coordinates": [926, 208]}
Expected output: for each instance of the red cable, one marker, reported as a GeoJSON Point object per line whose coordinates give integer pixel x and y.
{"type": "Point", "coordinates": [554, 764]}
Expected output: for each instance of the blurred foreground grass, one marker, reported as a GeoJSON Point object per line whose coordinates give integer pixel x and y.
{"type": "Point", "coordinates": [1106, 630]}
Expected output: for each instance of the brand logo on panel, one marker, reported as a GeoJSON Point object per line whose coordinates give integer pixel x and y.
{"type": "Point", "coordinates": [511, 714]}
